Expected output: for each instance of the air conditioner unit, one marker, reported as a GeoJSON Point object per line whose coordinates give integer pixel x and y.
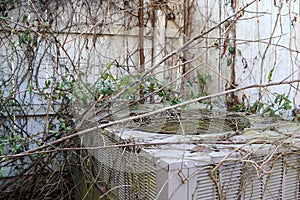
{"type": "Point", "coordinates": [198, 156]}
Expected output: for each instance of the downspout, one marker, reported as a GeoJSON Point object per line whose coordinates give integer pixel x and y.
{"type": "Point", "coordinates": [141, 47]}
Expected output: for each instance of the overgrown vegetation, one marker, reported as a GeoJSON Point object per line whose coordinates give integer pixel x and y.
{"type": "Point", "coordinates": [63, 60]}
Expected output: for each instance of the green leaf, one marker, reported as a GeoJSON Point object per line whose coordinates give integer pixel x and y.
{"type": "Point", "coordinates": [202, 79]}
{"type": "Point", "coordinates": [21, 40]}
{"type": "Point", "coordinates": [286, 106]}
{"type": "Point", "coordinates": [108, 65]}
{"type": "Point", "coordinates": [25, 18]}
{"type": "Point", "coordinates": [112, 77]}
{"type": "Point", "coordinates": [68, 128]}
{"type": "Point", "coordinates": [189, 83]}
{"type": "Point", "coordinates": [259, 107]}
{"type": "Point", "coordinates": [105, 76]}
{"type": "Point", "coordinates": [53, 131]}
{"type": "Point", "coordinates": [229, 61]}
{"type": "Point", "coordinates": [30, 89]}
{"type": "Point", "coordinates": [47, 83]}
{"type": "Point", "coordinates": [270, 75]}
{"type": "Point", "coordinates": [231, 50]}
{"type": "Point", "coordinates": [26, 32]}
{"type": "Point", "coordinates": [239, 52]}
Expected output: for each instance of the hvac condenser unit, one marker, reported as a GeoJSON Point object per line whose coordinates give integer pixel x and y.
{"type": "Point", "coordinates": [192, 155]}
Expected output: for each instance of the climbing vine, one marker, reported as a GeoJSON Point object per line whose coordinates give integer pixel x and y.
{"type": "Point", "coordinates": [68, 65]}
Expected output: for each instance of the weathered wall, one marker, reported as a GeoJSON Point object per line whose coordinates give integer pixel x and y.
{"type": "Point", "coordinates": [265, 37]}
{"type": "Point", "coordinates": [91, 35]}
